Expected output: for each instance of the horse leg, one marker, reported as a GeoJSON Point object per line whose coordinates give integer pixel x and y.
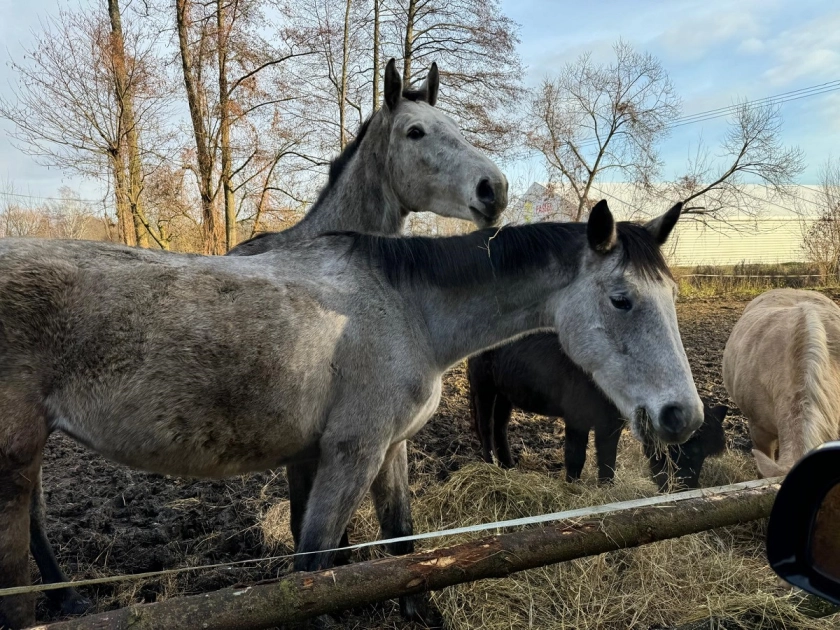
{"type": "Point", "coordinates": [393, 509]}
{"type": "Point", "coordinates": [764, 440]}
{"type": "Point", "coordinates": [346, 469]}
{"type": "Point", "coordinates": [70, 600]}
{"type": "Point", "coordinates": [301, 476]}
{"type": "Point", "coordinates": [606, 450]}
{"type": "Point", "coordinates": [575, 450]}
{"type": "Point", "coordinates": [501, 419]}
{"type": "Point", "coordinates": [23, 433]}
{"type": "Point", "coordinates": [482, 402]}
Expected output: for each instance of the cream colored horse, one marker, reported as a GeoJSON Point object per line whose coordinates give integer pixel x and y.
{"type": "Point", "coordinates": [781, 366]}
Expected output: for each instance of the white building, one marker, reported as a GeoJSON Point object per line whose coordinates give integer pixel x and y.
{"type": "Point", "coordinates": [772, 233]}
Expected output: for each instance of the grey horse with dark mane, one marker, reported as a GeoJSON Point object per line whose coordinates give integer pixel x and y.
{"type": "Point", "coordinates": [407, 157]}
{"type": "Point", "coordinates": [330, 349]}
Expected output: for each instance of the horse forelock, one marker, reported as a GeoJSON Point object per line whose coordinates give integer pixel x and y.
{"type": "Point", "coordinates": [641, 252]}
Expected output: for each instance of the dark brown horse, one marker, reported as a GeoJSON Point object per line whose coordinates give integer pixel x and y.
{"type": "Point", "coordinates": [535, 375]}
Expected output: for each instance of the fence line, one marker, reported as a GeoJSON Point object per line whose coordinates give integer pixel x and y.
{"type": "Point", "coordinates": [621, 506]}
{"type": "Point", "coordinates": [300, 596]}
{"type": "Point", "coordinates": [729, 275]}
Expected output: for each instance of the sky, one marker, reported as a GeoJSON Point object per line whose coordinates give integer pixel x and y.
{"type": "Point", "coordinates": [715, 51]}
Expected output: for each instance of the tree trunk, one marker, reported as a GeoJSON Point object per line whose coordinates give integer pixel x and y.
{"type": "Point", "coordinates": [125, 223]}
{"type": "Point", "coordinates": [128, 127]}
{"type": "Point", "coordinates": [211, 239]}
{"type": "Point", "coordinates": [408, 49]}
{"type": "Point", "coordinates": [375, 55]}
{"type": "Point", "coordinates": [342, 90]}
{"type": "Point", "coordinates": [304, 595]}
{"type": "Point", "coordinates": [224, 127]}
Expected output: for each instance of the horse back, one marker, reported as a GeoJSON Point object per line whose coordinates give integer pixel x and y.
{"type": "Point", "coordinates": [781, 366]}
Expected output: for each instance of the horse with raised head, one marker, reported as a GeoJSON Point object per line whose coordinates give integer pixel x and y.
{"type": "Point", "coordinates": [535, 374]}
{"type": "Point", "coordinates": [781, 366]}
{"type": "Point", "coordinates": [407, 157]}
{"type": "Point", "coordinates": [329, 350]}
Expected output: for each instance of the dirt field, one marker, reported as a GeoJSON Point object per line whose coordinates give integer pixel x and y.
{"type": "Point", "coordinates": [106, 519]}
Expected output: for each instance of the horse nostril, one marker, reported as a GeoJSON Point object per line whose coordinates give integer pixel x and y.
{"type": "Point", "coordinates": [485, 192]}
{"type": "Point", "coordinates": [673, 418]}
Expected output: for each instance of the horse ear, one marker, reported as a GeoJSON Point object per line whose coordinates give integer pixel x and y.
{"type": "Point", "coordinates": [600, 229]}
{"type": "Point", "coordinates": [661, 226]}
{"type": "Point", "coordinates": [393, 85]}
{"type": "Point", "coordinates": [431, 85]}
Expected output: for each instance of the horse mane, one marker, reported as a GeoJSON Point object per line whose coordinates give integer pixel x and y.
{"type": "Point", "coordinates": [820, 406]}
{"type": "Point", "coordinates": [486, 254]}
{"type": "Point", "coordinates": [337, 167]}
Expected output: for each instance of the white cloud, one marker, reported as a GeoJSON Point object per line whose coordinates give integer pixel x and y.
{"type": "Point", "coordinates": [811, 50]}
{"type": "Point", "coordinates": [697, 29]}
{"type": "Point", "coordinates": [752, 46]}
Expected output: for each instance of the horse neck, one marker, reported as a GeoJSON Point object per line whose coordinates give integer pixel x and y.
{"type": "Point", "coordinates": [464, 321]}
{"type": "Point", "coordinates": [361, 200]}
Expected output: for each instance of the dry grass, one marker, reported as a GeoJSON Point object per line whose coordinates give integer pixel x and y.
{"type": "Point", "coordinates": [720, 574]}
{"type": "Point", "coordinates": [748, 280]}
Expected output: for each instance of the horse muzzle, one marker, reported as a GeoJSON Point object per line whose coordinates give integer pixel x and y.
{"type": "Point", "coordinates": [676, 422]}
{"type": "Point", "coordinates": [491, 196]}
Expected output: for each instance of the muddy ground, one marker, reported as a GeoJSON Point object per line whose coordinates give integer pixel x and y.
{"type": "Point", "coordinates": [106, 519]}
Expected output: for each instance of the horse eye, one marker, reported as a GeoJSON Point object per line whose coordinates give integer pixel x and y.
{"type": "Point", "coordinates": [415, 133]}
{"type": "Point", "coordinates": [621, 303]}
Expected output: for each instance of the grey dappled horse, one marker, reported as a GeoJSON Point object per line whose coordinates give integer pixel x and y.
{"type": "Point", "coordinates": [330, 349]}
{"type": "Point", "coordinates": [407, 157]}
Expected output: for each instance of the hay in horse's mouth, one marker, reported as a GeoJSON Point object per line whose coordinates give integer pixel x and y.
{"type": "Point", "coordinates": [641, 426]}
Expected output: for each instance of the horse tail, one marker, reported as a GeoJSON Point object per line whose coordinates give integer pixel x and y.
{"type": "Point", "coordinates": [820, 403]}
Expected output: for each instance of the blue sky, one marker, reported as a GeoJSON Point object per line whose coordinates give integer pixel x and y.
{"type": "Point", "coordinates": [715, 51]}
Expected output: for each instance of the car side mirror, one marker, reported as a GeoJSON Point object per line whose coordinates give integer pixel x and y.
{"type": "Point", "coordinates": [803, 536]}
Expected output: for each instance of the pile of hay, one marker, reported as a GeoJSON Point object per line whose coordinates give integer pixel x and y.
{"type": "Point", "coordinates": [721, 574]}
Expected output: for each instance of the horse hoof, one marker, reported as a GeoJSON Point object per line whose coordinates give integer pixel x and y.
{"type": "Point", "coordinates": [75, 604]}
{"type": "Point", "coordinates": [418, 609]}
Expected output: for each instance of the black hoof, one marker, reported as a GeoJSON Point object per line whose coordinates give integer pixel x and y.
{"type": "Point", "coordinates": [74, 604]}
{"type": "Point", "coordinates": [418, 609]}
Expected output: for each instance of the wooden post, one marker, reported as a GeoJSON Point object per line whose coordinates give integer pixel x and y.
{"type": "Point", "coordinates": [300, 596]}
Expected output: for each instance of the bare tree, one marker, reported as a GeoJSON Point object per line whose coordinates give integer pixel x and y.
{"type": "Point", "coordinates": [474, 44]}
{"type": "Point", "coordinates": [83, 95]}
{"type": "Point", "coordinates": [593, 119]}
{"type": "Point", "coordinates": [751, 150]}
{"type": "Point", "coordinates": [191, 67]}
{"type": "Point", "coordinates": [376, 44]}
{"type": "Point", "coordinates": [821, 234]}
{"type": "Point", "coordinates": [124, 88]}
{"type": "Point", "coordinates": [235, 82]}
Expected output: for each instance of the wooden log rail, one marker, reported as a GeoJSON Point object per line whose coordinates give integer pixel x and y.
{"type": "Point", "coordinates": [300, 596]}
